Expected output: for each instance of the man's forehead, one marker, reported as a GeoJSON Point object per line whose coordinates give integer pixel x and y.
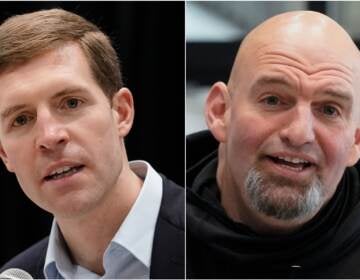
{"type": "Point", "coordinates": [297, 35]}
{"type": "Point", "coordinates": [66, 55]}
{"type": "Point", "coordinates": [308, 59]}
{"type": "Point", "coordinates": [36, 78]}
{"type": "Point", "coordinates": [307, 48]}
{"type": "Point", "coordinates": [55, 54]}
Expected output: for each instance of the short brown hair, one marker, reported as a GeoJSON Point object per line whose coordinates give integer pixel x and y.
{"type": "Point", "coordinates": [22, 37]}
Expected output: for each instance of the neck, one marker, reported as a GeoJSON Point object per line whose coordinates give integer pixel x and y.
{"type": "Point", "coordinates": [88, 236]}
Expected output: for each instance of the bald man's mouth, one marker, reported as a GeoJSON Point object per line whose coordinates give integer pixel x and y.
{"type": "Point", "coordinates": [295, 164]}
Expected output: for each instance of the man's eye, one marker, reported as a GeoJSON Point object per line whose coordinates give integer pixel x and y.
{"type": "Point", "coordinates": [330, 111]}
{"type": "Point", "coordinates": [72, 103]}
{"type": "Point", "coordinates": [21, 120]}
{"type": "Point", "coordinates": [271, 100]}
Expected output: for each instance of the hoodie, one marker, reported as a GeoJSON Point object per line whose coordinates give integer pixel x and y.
{"type": "Point", "coordinates": [328, 246]}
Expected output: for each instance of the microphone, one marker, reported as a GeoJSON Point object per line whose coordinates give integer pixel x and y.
{"type": "Point", "coordinates": [15, 273]}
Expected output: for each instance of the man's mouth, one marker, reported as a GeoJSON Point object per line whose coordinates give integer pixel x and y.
{"type": "Point", "coordinates": [291, 163]}
{"type": "Point", "coordinates": [63, 172]}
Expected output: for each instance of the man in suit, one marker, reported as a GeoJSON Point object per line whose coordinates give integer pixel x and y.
{"type": "Point", "coordinates": [64, 113]}
{"type": "Point", "coordinates": [278, 196]}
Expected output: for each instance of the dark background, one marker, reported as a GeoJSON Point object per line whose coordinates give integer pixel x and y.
{"type": "Point", "coordinates": [149, 39]}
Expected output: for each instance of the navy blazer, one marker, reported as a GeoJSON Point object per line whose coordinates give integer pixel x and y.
{"type": "Point", "coordinates": [167, 258]}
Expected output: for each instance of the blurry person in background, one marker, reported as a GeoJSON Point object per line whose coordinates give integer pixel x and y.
{"type": "Point", "coordinates": [279, 197]}
{"type": "Point", "coordinates": [64, 114]}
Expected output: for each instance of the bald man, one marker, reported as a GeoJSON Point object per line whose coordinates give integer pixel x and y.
{"type": "Point", "coordinates": [278, 197]}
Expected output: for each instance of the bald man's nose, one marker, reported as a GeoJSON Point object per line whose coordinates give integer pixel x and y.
{"type": "Point", "coordinates": [299, 128]}
{"type": "Point", "coordinates": [51, 134]}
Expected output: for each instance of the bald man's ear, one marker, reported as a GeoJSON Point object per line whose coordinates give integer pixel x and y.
{"type": "Point", "coordinates": [354, 153]}
{"type": "Point", "coordinates": [5, 159]}
{"type": "Point", "coordinates": [216, 110]}
{"type": "Point", "coordinates": [123, 110]}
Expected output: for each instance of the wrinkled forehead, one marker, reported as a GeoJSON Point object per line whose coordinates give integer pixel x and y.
{"type": "Point", "coordinates": [304, 60]}
{"type": "Point", "coordinates": [310, 50]}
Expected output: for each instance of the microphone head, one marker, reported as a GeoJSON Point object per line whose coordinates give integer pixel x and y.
{"type": "Point", "coordinates": [15, 273]}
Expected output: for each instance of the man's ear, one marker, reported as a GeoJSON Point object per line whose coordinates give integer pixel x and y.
{"type": "Point", "coordinates": [354, 153]}
{"type": "Point", "coordinates": [123, 110]}
{"type": "Point", "coordinates": [216, 107]}
{"type": "Point", "coordinates": [5, 159]}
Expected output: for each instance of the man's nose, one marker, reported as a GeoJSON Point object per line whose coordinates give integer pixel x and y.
{"type": "Point", "coordinates": [51, 134]}
{"type": "Point", "coordinates": [299, 127]}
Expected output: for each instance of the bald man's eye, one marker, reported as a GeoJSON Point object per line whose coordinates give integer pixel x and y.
{"type": "Point", "coordinates": [271, 100]}
{"type": "Point", "coordinates": [330, 111]}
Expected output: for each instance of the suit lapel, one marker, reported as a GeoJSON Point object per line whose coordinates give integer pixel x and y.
{"type": "Point", "coordinates": [167, 260]}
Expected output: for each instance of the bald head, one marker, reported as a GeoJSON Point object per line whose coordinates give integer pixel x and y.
{"type": "Point", "coordinates": [312, 37]}
{"type": "Point", "coordinates": [294, 93]}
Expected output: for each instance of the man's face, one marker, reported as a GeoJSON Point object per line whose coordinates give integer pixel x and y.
{"type": "Point", "coordinates": [58, 132]}
{"type": "Point", "coordinates": [291, 129]}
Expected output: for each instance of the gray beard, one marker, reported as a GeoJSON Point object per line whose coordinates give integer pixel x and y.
{"type": "Point", "coordinates": [303, 201]}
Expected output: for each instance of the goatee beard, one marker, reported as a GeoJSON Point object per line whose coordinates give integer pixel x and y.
{"type": "Point", "coordinates": [283, 198]}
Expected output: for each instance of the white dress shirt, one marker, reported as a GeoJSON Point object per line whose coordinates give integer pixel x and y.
{"type": "Point", "coordinates": [129, 252]}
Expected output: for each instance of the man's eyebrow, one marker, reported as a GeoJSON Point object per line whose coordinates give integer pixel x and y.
{"type": "Point", "coordinates": [8, 111]}
{"type": "Point", "coordinates": [266, 80]}
{"type": "Point", "coordinates": [68, 91]}
{"type": "Point", "coordinates": [343, 95]}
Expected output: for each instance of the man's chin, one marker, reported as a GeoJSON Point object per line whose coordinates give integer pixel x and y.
{"type": "Point", "coordinates": [71, 207]}
{"type": "Point", "coordinates": [282, 198]}
{"type": "Point", "coordinates": [282, 203]}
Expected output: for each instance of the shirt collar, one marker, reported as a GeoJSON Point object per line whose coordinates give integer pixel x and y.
{"type": "Point", "coordinates": [56, 256]}
{"type": "Point", "coordinates": [136, 233]}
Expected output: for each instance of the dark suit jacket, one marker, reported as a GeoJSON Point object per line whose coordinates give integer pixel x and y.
{"type": "Point", "coordinates": [167, 260]}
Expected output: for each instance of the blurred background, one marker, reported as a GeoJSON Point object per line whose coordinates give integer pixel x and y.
{"type": "Point", "coordinates": [149, 39]}
{"type": "Point", "coordinates": [215, 29]}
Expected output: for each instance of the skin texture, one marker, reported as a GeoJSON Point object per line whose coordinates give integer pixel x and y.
{"type": "Point", "coordinates": [66, 119]}
{"type": "Point", "coordinates": [293, 91]}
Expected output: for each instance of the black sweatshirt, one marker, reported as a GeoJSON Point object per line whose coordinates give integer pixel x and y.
{"type": "Point", "coordinates": [328, 246]}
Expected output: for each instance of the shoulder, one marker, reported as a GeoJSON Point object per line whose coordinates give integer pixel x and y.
{"type": "Point", "coordinates": [31, 260]}
{"type": "Point", "coordinates": [167, 259]}
{"type": "Point", "coordinates": [172, 207]}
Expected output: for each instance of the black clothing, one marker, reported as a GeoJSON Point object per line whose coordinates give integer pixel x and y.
{"type": "Point", "coordinates": [328, 246]}
{"type": "Point", "coordinates": [167, 259]}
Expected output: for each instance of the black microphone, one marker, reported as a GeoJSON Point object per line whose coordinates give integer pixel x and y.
{"type": "Point", "coordinates": [15, 273]}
